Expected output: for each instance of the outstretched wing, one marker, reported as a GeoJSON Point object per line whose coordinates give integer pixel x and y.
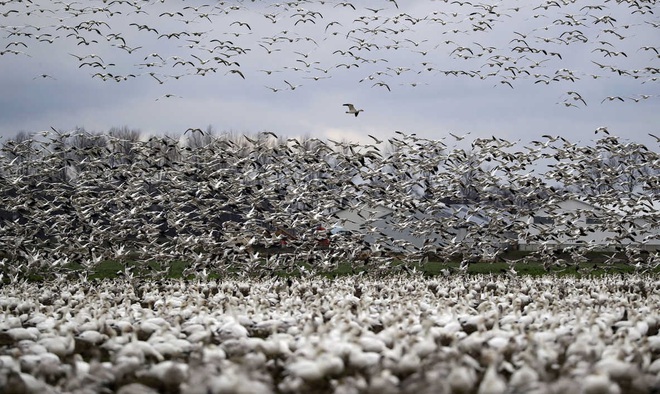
{"type": "Point", "coordinates": [351, 108]}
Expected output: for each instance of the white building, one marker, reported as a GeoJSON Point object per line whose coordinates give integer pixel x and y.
{"type": "Point", "coordinates": [574, 222]}
{"type": "Point", "coordinates": [402, 231]}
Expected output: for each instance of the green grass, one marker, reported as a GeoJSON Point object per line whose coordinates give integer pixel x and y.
{"type": "Point", "coordinates": [593, 267]}
{"type": "Point", "coordinates": [114, 269]}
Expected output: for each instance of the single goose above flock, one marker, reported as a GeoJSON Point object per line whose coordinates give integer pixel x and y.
{"type": "Point", "coordinates": [351, 109]}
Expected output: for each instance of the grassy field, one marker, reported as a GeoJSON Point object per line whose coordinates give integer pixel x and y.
{"type": "Point", "coordinates": [111, 269]}
{"type": "Point", "coordinates": [595, 266]}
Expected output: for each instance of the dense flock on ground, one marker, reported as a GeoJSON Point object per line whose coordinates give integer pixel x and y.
{"type": "Point", "coordinates": [461, 334]}
{"type": "Point", "coordinates": [232, 203]}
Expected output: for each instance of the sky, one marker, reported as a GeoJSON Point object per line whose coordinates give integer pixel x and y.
{"type": "Point", "coordinates": [510, 69]}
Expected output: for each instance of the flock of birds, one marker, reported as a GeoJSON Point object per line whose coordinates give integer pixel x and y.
{"type": "Point", "coordinates": [256, 205]}
{"type": "Point", "coordinates": [480, 334]}
{"type": "Point", "coordinates": [380, 43]}
{"type": "Point", "coordinates": [259, 207]}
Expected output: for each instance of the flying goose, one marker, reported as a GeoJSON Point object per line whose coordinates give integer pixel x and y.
{"type": "Point", "coordinates": [352, 110]}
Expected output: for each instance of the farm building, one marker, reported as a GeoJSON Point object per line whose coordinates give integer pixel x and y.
{"type": "Point", "coordinates": [402, 230]}
{"type": "Point", "coordinates": [574, 222]}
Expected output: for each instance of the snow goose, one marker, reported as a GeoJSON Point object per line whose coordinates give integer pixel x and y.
{"type": "Point", "coordinates": [351, 109]}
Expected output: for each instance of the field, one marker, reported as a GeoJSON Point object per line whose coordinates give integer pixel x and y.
{"type": "Point", "coordinates": [595, 266]}
{"type": "Point", "coordinates": [113, 269]}
{"type": "Point", "coordinates": [496, 327]}
{"type": "Point", "coordinates": [180, 291]}
{"type": "Point", "coordinates": [475, 333]}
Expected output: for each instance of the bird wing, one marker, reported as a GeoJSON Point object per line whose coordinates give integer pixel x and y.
{"type": "Point", "coordinates": [350, 107]}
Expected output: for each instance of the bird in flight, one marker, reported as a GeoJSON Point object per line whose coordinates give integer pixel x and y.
{"type": "Point", "coordinates": [612, 98]}
{"type": "Point", "coordinates": [352, 110]}
{"type": "Point", "coordinates": [459, 137]}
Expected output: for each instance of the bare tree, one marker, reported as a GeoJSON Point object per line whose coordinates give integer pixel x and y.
{"type": "Point", "coordinates": [196, 138]}
{"type": "Point", "coordinates": [614, 167]}
{"type": "Point", "coordinates": [121, 141]}
{"type": "Point", "coordinates": [88, 152]}
{"type": "Point", "coordinates": [20, 151]}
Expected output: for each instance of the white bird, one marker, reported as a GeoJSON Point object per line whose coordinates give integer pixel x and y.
{"type": "Point", "coordinates": [352, 110]}
{"type": "Point", "coordinates": [293, 87]}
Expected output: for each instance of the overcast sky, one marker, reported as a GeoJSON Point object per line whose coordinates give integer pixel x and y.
{"type": "Point", "coordinates": [404, 69]}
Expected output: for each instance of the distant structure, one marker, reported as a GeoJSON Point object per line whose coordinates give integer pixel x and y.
{"type": "Point", "coordinates": [574, 222]}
